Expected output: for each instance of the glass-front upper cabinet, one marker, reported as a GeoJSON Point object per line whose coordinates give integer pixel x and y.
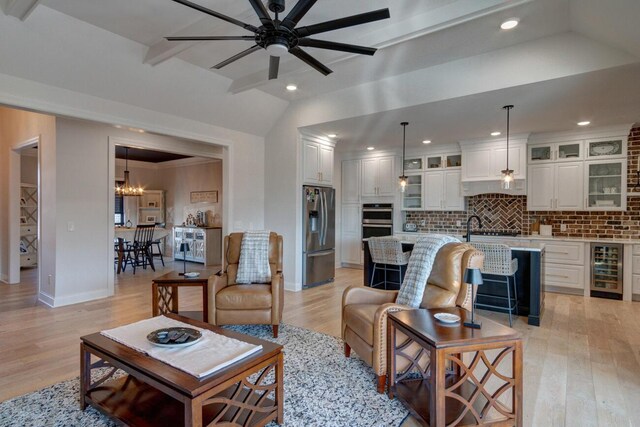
{"type": "Point", "coordinates": [606, 181]}
{"type": "Point", "coordinates": [414, 164]}
{"type": "Point", "coordinates": [436, 161]}
{"type": "Point", "coordinates": [606, 147]}
{"type": "Point", "coordinates": [412, 196]}
{"type": "Point", "coordinates": [561, 151]}
{"type": "Point", "coordinates": [454, 160]}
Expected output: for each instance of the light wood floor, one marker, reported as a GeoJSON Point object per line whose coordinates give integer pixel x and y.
{"type": "Point", "coordinates": [582, 366]}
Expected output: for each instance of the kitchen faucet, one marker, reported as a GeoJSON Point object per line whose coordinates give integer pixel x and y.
{"type": "Point", "coordinates": [469, 225]}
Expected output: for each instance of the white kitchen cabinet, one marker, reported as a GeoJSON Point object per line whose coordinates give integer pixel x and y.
{"type": "Point", "coordinates": [606, 185]}
{"type": "Point", "coordinates": [555, 187]}
{"type": "Point", "coordinates": [351, 239]}
{"type": "Point", "coordinates": [433, 190]}
{"type": "Point", "coordinates": [318, 162]}
{"type": "Point", "coordinates": [485, 160]}
{"type": "Point", "coordinates": [606, 148]}
{"type": "Point", "coordinates": [443, 191]}
{"type": "Point", "coordinates": [351, 181]}
{"type": "Point", "coordinates": [564, 264]}
{"type": "Point", "coordinates": [412, 198]}
{"type": "Point", "coordinates": [556, 152]}
{"type": "Point", "coordinates": [378, 177]}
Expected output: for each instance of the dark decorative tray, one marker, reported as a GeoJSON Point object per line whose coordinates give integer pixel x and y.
{"type": "Point", "coordinates": [174, 337]}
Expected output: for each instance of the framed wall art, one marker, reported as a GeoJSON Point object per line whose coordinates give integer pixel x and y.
{"type": "Point", "coordinates": [204, 197]}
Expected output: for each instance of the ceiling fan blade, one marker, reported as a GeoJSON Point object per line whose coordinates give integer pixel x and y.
{"type": "Point", "coordinates": [217, 15]}
{"type": "Point", "coordinates": [297, 13]}
{"type": "Point", "coordinates": [349, 21]}
{"type": "Point", "coordinates": [342, 47]}
{"type": "Point", "coordinates": [207, 38]}
{"type": "Point", "coordinates": [236, 57]}
{"type": "Point", "coordinates": [258, 6]}
{"type": "Point", "coordinates": [274, 66]}
{"type": "Point", "coordinates": [304, 56]}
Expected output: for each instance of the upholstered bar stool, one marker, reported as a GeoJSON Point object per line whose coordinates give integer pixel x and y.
{"type": "Point", "coordinates": [498, 263]}
{"type": "Point", "coordinates": [387, 255]}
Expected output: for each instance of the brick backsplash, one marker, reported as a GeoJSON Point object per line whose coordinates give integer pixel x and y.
{"type": "Point", "coordinates": [501, 211]}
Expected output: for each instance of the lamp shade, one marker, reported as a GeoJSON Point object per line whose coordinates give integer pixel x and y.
{"type": "Point", "coordinates": [473, 276]}
{"type": "Point", "coordinates": [184, 247]}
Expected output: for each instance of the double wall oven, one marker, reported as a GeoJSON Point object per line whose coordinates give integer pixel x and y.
{"type": "Point", "coordinates": [377, 220]}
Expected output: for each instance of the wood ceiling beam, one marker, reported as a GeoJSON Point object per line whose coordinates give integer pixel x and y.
{"type": "Point", "coordinates": [20, 9]}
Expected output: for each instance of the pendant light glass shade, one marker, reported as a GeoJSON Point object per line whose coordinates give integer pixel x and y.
{"type": "Point", "coordinates": [507, 174]}
{"type": "Point", "coordinates": [403, 178]}
{"type": "Point", "coordinates": [126, 189]}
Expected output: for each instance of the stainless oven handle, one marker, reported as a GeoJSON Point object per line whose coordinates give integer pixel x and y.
{"type": "Point", "coordinates": [377, 210]}
{"type": "Point", "coordinates": [377, 226]}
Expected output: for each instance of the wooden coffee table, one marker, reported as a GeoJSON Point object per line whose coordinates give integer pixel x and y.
{"type": "Point", "coordinates": [153, 393]}
{"type": "Point", "coordinates": [165, 294]}
{"type": "Point", "coordinates": [456, 375]}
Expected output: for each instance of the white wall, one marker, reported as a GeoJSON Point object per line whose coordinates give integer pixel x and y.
{"type": "Point", "coordinates": [29, 168]}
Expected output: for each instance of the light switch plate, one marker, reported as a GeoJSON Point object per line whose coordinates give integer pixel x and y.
{"type": "Point", "coordinates": [71, 226]}
{"type": "Point", "coordinates": [563, 227]}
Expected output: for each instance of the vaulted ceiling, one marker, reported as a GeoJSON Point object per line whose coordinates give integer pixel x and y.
{"type": "Point", "coordinates": [420, 37]}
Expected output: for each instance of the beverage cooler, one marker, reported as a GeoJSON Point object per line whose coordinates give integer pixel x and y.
{"type": "Point", "coordinates": [606, 270]}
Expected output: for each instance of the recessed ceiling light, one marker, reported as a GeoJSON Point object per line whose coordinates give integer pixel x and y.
{"type": "Point", "coordinates": [371, 148]}
{"type": "Point", "coordinates": [426, 141]}
{"type": "Point", "coordinates": [291, 88]}
{"type": "Point", "coordinates": [332, 135]}
{"type": "Point", "coordinates": [117, 126]}
{"type": "Point", "coordinates": [509, 24]}
{"type": "Point", "coordinates": [584, 123]}
{"type": "Point", "coordinates": [496, 133]}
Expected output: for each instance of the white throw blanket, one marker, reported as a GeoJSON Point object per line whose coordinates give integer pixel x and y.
{"type": "Point", "coordinates": [212, 353]}
{"type": "Point", "coordinates": [253, 266]}
{"type": "Point", "coordinates": [419, 268]}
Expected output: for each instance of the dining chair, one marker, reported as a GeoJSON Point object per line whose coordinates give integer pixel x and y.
{"type": "Point", "coordinates": [141, 246]}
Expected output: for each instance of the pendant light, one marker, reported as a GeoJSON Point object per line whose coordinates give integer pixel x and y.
{"type": "Point", "coordinates": [403, 178]}
{"type": "Point", "coordinates": [126, 189]}
{"type": "Point", "coordinates": [507, 174]}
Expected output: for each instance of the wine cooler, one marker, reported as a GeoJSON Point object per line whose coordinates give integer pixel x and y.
{"type": "Point", "coordinates": [606, 270]}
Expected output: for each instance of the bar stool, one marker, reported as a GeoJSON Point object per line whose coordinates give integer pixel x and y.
{"type": "Point", "coordinates": [387, 255]}
{"type": "Point", "coordinates": [498, 262]}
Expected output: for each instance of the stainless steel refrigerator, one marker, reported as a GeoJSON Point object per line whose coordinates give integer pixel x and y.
{"type": "Point", "coordinates": [319, 235]}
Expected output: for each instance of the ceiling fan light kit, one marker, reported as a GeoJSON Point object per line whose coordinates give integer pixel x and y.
{"type": "Point", "coordinates": [279, 37]}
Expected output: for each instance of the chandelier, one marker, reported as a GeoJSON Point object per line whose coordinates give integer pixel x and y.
{"type": "Point", "coordinates": [126, 189]}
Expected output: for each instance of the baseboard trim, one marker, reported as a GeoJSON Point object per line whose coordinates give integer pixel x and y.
{"type": "Point", "coordinates": [635, 297]}
{"type": "Point", "coordinates": [563, 290]}
{"type": "Point", "coordinates": [354, 266]}
{"type": "Point", "coordinates": [4, 279]}
{"type": "Point", "coordinates": [46, 299]}
{"type": "Point", "coordinates": [82, 297]}
{"type": "Point", "coordinates": [292, 286]}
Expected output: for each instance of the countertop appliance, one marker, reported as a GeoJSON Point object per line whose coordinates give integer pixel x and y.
{"type": "Point", "coordinates": [606, 270]}
{"type": "Point", "coordinates": [319, 235]}
{"type": "Point", "coordinates": [377, 220]}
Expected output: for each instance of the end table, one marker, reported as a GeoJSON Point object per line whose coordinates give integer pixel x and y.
{"type": "Point", "coordinates": [165, 294]}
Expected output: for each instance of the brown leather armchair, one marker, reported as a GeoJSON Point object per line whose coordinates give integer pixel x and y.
{"type": "Point", "coordinates": [247, 304]}
{"type": "Point", "coordinates": [364, 310]}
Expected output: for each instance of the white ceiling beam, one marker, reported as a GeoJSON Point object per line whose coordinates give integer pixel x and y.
{"type": "Point", "coordinates": [415, 26]}
{"type": "Point", "coordinates": [20, 9]}
{"type": "Point", "coordinates": [164, 50]}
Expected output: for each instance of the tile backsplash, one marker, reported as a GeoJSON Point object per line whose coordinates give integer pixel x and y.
{"type": "Point", "coordinates": [504, 212]}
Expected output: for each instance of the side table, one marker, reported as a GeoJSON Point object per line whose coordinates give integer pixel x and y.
{"type": "Point", "coordinates": [165, 294]}
{"type": "Point", "coordinates": [448, 375]}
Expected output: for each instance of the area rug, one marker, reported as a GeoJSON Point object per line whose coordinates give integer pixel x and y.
{"type": "Point", "coordinates": [321, 388]}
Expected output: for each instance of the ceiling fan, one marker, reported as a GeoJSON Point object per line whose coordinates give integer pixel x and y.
{"type": "Point", "coordinates": [281, 36]}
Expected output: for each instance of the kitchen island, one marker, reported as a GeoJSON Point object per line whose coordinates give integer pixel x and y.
{"type": "Point", "coordinates": [528, 279]}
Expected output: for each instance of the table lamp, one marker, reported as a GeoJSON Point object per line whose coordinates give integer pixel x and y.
{"type": "Point", "coordinates": [473, 277]}
{"type": "Point", "coordinates": [184, 248]}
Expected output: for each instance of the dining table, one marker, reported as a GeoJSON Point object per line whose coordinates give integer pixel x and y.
{"type": "Point", "coordinates": [127, 234]}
